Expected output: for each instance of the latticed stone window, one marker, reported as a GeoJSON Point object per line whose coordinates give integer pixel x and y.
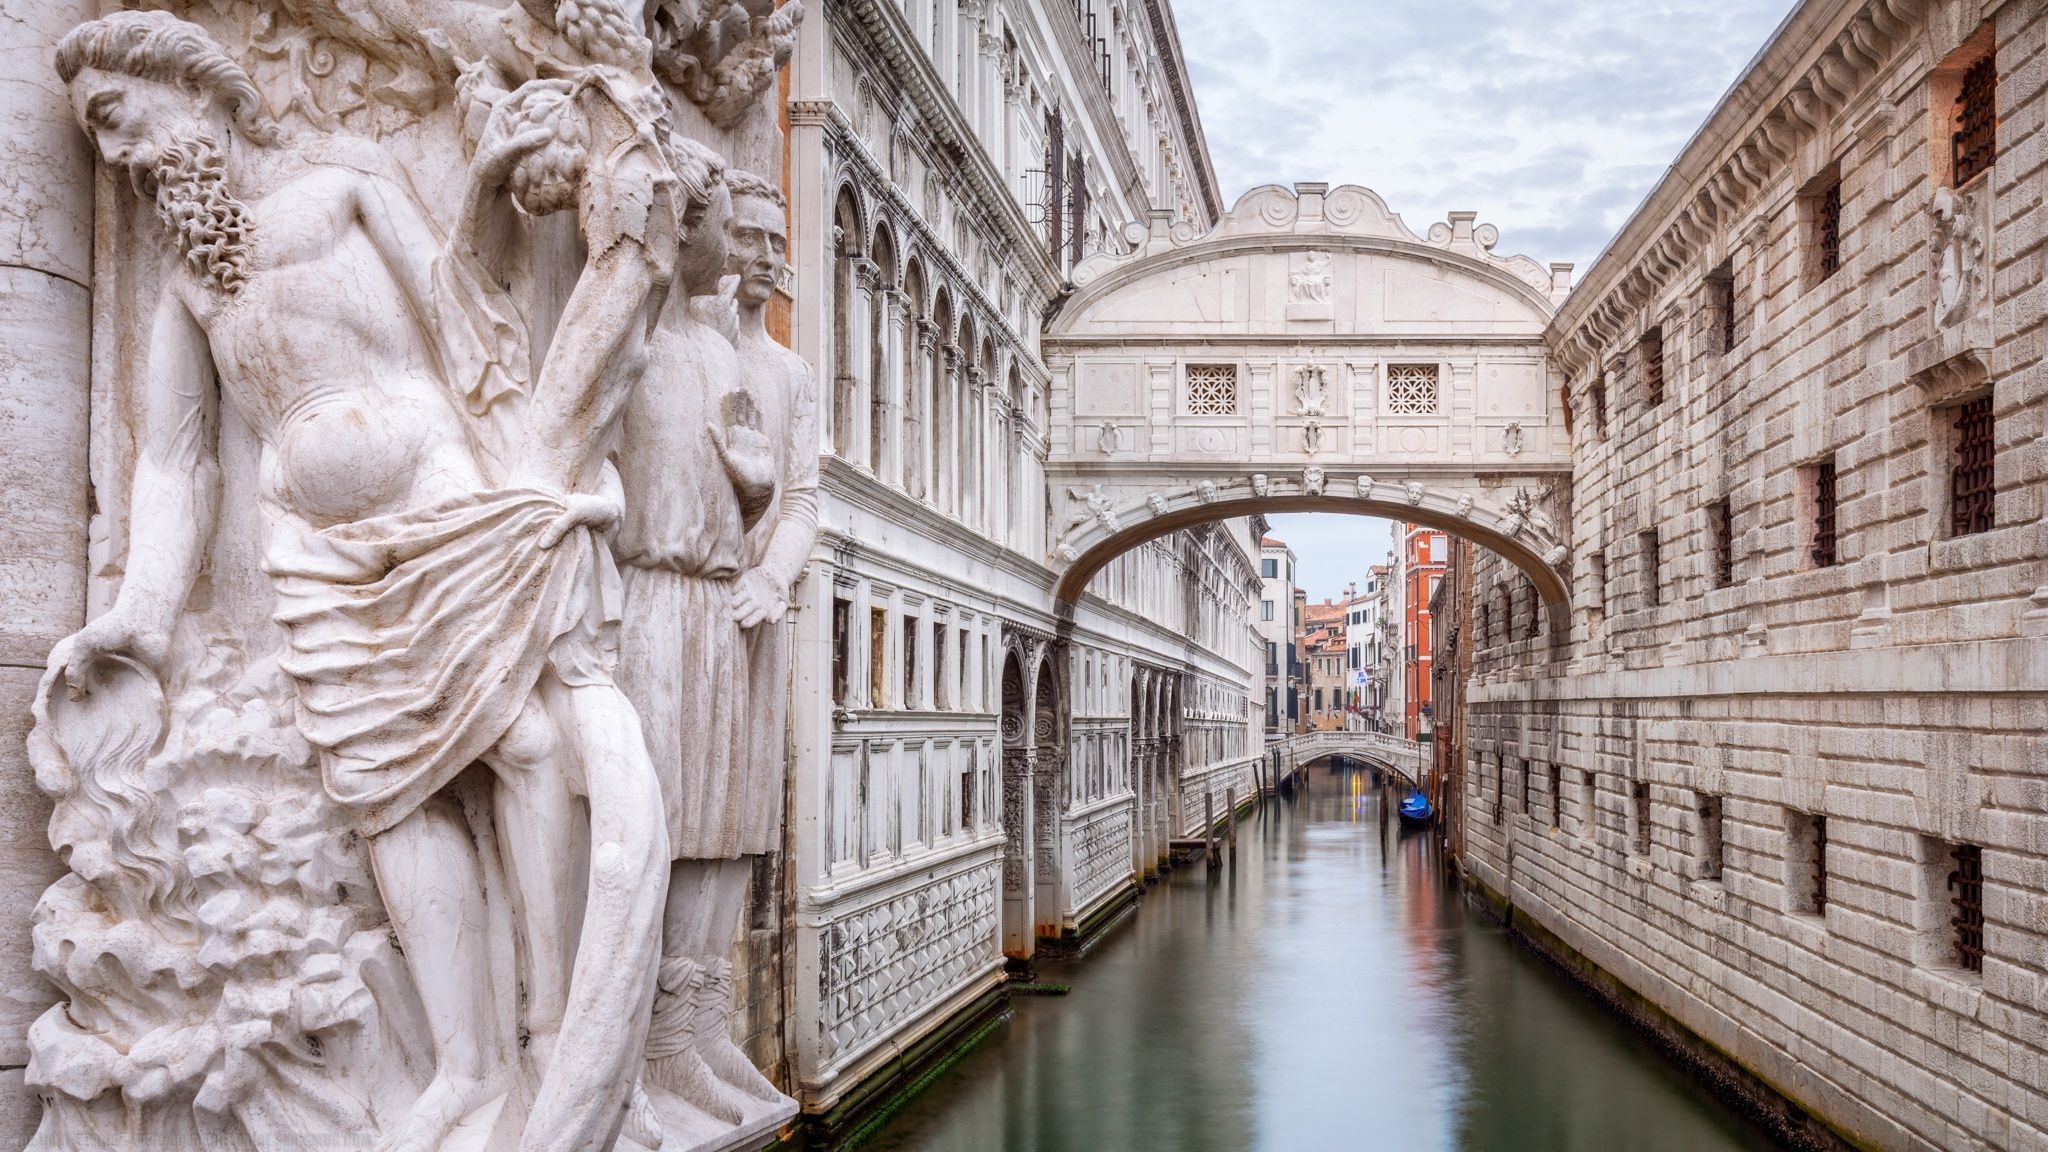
{"type": "Point", "coordinates": [1973, 490]}
{"type": "Point", "coordinates": [1412, 389]}
{"type": "Point", "coordinates": [1974, 142]}
{"type": "Point", "coordinates": [1212, 389]}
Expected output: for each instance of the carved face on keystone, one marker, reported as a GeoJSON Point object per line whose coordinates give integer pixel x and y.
{"type": "Point", "coordinates": [132, 120]}
{"type": "Point", "coordinates": [760, 247]}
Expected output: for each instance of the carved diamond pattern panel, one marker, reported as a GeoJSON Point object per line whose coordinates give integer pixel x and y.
{"type": "Point", "coordinates": [1411, 389]}
{"type": "Point", "coordinates": [882, 966]}
{"type": "Point", "coordinates": [1102, 855]}
{"type": "Point", "coordinates": [1212, 389]}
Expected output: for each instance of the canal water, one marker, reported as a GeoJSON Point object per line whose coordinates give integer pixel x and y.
{"type": "Point", "coordinates": [1324, 990]}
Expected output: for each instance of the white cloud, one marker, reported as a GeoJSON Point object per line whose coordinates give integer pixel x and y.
{"type": "Point", "coordinates": [1550, 118]}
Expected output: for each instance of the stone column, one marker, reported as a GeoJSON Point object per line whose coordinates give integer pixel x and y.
{"type": "Point", "coordinates": [860, 356]}
{"type": "Point", "coordinates": [885, 433]}
{"type": "Point", "coordinates": [1019, 885]}
{"type": "Point", "coordinates": [46, 228]}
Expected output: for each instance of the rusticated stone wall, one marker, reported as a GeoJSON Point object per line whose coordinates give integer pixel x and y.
{"type": "Point", "coordinates": [1738, 718]}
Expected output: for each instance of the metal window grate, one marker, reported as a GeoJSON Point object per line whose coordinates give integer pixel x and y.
{"type": "Point", "coordinates": [1827, 227]}
{"type": "Point", "coordinates": [1525, 787]}
{"type": "Point", "coordinates": [1653, 563]}
{"type": "Point", "coordinates": [1600, 404]}
{"type": "Point", "coordinates": [1820, 865]}
{"type": "Point", "coordinates": [1651, 349]}
{"type": "Point", "coordinates": [1721, 518]}
{"type": "Point", "coordinates": [1823, 551]}
{"type": "Point", "coordinates": [1556, 795]}
{"type": "Point", "coordinates": [1535, 612]}
{"type": "Point", "coordinates": [1974, 142]}
{"type": "Point", "coordinates": [1056, 190]}
{"type": "Point", "coordinates": [1639, 794]}
{"type": "Point", "coordinates": [1966, 881]}
{"type": "Point", "coordinates": [1411, 389]}
{"type": "Point", "coordinates": [1972, 489]}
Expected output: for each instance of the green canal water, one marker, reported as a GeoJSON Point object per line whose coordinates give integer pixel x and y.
{"type": "Point", "coordinates": [1324, 990]}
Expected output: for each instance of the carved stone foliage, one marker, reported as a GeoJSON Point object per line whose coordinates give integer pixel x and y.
{"type": "Point", "coordinates": [398, 514]}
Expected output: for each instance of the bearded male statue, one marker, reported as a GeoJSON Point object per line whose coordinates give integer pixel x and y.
{"type": "Point", "coordinates": [438, 580]}
{"type": "Point", "coordinates": [719, 464]}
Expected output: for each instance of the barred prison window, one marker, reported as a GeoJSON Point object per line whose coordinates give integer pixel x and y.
{"type": "Point", "coordinates": [1412, 389]}
{"type": "Point", "coordinates": [1525, 787]}
{"type": "Point", "coordinates": [1823, 551]}
{"type": "Point", "coordinates": [1600, 405]}
{"type": "Point", "coordinates": [1650, 350]}
{"type": "Point", "coordinates": [1598, 571]}
{"type": "Point", "coordinates": [1721, 307]}
{"type": "Point", "coordinates": [1639, 806]}
{"type": "Point", "coordinates": [1974, 142]}
{"type": "Point", "coordinates": [1535, 612]}
{"type": "Point", "coordinates": [1721, 524]}
{"type": "Point", "coordinates": [1806, 862]}
{"type": "Point", "coordinates": [1972, 490]}
{"type": "Point", "coordinates": [1212, 389]}
{"type": "Point", "coordinates": [1711, 848]}
{"type": "Point", "coordinates": [1828, 230]}
{"type": "Point", "coordinates": [1651, 550]}
{"type": "Point", "coordinates": [1556, 795]}
{"type": "Point", "coordinates": [1966, 888]}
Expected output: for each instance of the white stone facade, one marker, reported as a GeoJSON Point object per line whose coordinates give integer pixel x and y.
{"type": "Point", "coordinates": [1737, 775]}
{"type": "Point", "coordinates": [974, 767]}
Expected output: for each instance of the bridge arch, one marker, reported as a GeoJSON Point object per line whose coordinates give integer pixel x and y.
{"type": "Point", "coordinates": [1309, 353]}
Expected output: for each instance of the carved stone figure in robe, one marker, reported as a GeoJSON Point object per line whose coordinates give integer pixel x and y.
{"type": "Point", "coordinates": [718, 462]}
{"type": "Point", "coordinates": [440, 608]}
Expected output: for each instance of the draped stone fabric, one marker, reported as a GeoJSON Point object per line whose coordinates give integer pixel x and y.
{"type": "Point", "coordinates": [416, 638]}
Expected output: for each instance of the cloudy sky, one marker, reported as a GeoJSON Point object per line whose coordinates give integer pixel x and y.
{"type": "Point", "coordinates": [1550, 118]}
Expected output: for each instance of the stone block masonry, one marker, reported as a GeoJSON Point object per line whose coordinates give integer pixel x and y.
{"type": "Point", "coordinates": [1801, 694]}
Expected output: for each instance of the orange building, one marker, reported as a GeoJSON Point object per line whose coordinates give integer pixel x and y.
{"type": "Point", "coordinates": [1423, 554]}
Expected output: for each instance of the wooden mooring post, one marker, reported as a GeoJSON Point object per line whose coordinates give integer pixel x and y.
{"type": "Point", "coordinates": [1230, 817]}
{"type": "Point", "coordinates": [1209, 829]}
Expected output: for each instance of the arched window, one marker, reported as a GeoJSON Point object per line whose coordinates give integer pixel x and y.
{"type": "Point", "coordinates": [910, 442]}
{"type": "Point", "coordinates": [843, 394]}
{"type": "Point", "coordinates": [884, 250]}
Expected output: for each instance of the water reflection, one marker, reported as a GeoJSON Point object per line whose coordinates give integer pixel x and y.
{"type": "Point", "coordinates": [1324, 991]}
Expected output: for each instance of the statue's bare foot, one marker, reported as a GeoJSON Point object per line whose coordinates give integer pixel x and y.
{"type": "Point", "coordinates": [437, 1112]}
{"type": "Point", "coordinates": [643, 1124]}
{"type": "Point", "coordinates": [732, 1067]}
{"type": "Point", "coordinates": [686, 1074]}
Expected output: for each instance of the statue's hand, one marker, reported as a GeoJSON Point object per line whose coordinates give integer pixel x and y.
{"type": "Point", "coordinates": [749, 459]}
{"type": "Point", "coordinates": [757, 597]}
{"type": "Point", "coordinates": [597, 513]}
{"type": "Point", "coordinates": [117, 632]}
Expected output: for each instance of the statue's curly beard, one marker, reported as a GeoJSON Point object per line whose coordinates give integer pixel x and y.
{"type": "Point", "coordinates": [210, 226]}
